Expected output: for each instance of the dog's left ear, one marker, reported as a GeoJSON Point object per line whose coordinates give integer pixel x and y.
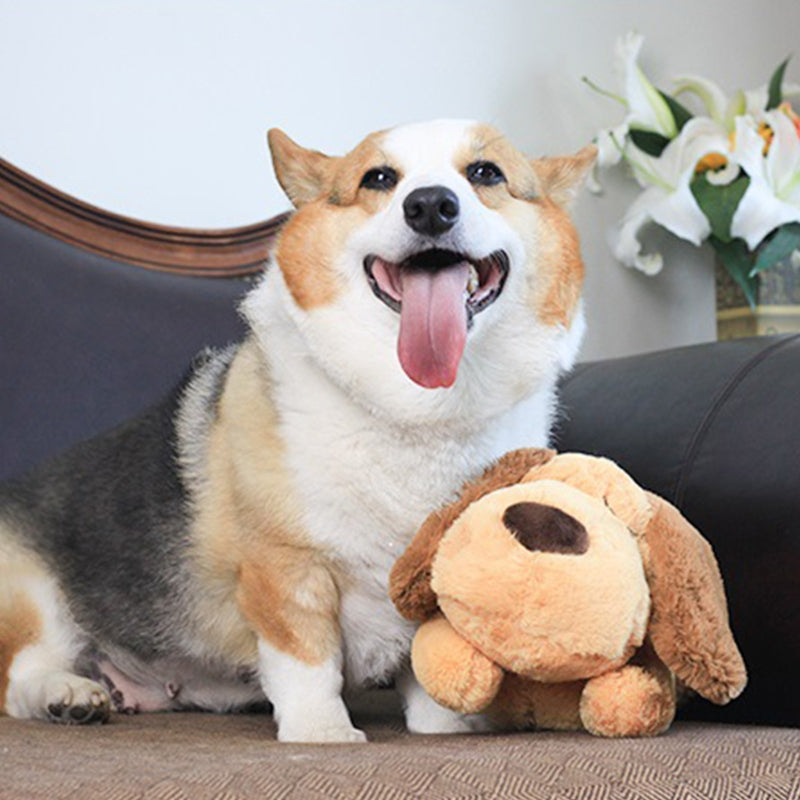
{"type": "Point", "coordinates": [689, 617]}
{"type": "Point", "coordinates": [303, 174]}
{"type": "Point", "coordinates": [562, 177]}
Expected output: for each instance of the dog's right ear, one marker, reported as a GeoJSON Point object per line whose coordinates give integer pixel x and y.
{"type": "Point", "coordinates": [303, 174]}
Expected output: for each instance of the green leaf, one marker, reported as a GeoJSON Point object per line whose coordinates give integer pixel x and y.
{"type": "Point", "coordinates": [680, 113]}
{"type": "Point", "coordinates": [775, 94]}
{"type": "Point", "coordinates": [780, 246]}
{"type": "Point", "coordinates": [738, 260]}
{"type": "Point", "coordinates": [650, 142]}
{"type": "Point", "coordinates": [719, 203]}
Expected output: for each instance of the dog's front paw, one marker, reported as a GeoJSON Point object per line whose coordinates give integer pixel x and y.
{"type": "Point", "coordinates": [72, 700]}
{"type": "Point", "coordinates": [446, 721]}
{"type": "Point", "coordinates": [425, 715]}
{"type": "Point", "coordinates": [321, 734]}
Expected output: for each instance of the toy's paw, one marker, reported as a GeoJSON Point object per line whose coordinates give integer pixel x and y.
{"type": "Point", "coordinates": [452, 671]}
{"type": "Point", "coordinates": [631, 701]}
{"type": "Point", "coordinates": [72, 700]}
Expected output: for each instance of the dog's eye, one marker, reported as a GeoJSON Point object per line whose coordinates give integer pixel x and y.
{"type": "Point", "coordinates": [485, 173]}
{"type": "Point", "coordinates": [381, 179]}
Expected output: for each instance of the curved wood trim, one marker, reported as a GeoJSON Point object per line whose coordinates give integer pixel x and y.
{"type": "Point", "coordinates": [188, 251]}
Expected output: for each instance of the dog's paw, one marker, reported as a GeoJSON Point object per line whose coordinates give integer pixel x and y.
{"type": "Point", "coordinates": [424, 715]}
{"type": "Point", "coordinates": [321, 734]}
{"type": "Point", "coordinates": [450, 724]}
{"type": "Point", "coordinates": [72, 700]}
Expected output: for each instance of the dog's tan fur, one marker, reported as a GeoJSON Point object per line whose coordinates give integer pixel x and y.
{"type": "Point", "coordinates": [248, 541]}
{"type": "Point", "coordinates": [20, 626]}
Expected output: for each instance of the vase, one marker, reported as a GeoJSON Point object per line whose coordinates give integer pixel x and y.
{"type": "Point", "coordinates": [777, 306]}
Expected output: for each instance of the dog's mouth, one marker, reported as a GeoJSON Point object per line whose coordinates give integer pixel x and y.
{"type": "Point", "coordinates": [437, 294]}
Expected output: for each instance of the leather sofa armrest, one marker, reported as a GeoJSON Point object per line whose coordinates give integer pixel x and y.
{"type": "Point", "coordinates": [715, 429]}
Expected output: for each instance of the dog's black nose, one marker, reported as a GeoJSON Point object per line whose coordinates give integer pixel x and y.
{"type": "Point", "coordinates": [431, 210]}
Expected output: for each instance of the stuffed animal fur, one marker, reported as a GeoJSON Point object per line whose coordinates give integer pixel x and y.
{"type": "Point", "coordinates": [556, 593]}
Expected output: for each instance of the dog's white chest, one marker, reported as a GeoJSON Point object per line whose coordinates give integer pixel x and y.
{"type": "Point", "coordinates": [364, 493]}
{"type": "Point", "coordinates": [364, 483]}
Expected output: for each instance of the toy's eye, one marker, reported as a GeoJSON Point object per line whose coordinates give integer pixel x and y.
{"type": "Point", "coordinates": [381, 179]}
{"type": "Point", "coordinates": [485, 173]}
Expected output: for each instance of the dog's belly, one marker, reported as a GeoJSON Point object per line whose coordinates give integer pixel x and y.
{"type": "Point", "coordinates": [172, 684]}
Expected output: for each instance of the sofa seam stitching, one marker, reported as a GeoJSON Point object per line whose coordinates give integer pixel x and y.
{"type": "Point", "coordinates": [704, 425]}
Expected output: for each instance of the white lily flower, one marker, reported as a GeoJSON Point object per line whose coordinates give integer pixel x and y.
{"type": "Point", "coordinates": [647, 109]}
{"type": "Point", "coordinates": [610, 144]}
{"type": "Point", "coordinates": [667, 198]}
{"type": "Point", "coordinates": [723, 109]}
{"type": "Point", "coordinates": [773, 196]}
{"type": "Point", "coordinates": [738, 135]}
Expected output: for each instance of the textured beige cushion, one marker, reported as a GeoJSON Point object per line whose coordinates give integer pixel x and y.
{"type": "Point", "coordinates": [208, 757]}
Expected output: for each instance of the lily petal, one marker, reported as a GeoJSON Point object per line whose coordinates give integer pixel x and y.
{"type": "Point", "coordinates": [679, 213]}
{"type": "Point", "coordinates": [610, 145]}
{"type": "Point", "coordinates": [756, 100]}
{"type": "Point", "coordinates": [783, 158]}
{"type": "Point", "coordinates": [759, 213]}
{"type": "Point", "coordinates": [722, 177]}
{"type": "Point", "coordinates": [647, 109]}
{"type": "Point", "coordinates": [676, 164]}
{"type": "Point", "coordinates": [625, 244]}
{"type": "Point", "coordinates": [773, 196]}
{"type": "Point", "coordinates": [748, 151]}
{"type": "Point", "coordinates": [710, 94]}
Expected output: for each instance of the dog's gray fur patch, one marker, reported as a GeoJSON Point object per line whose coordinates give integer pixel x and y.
{"type": "Point", "coordinates": [110, 515]}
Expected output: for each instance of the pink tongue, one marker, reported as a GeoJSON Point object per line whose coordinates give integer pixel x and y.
{"type": "Point", "coordinates": [433, 325]}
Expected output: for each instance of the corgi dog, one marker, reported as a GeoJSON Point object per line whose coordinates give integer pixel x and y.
{"type": "Point", "coordinates": [233, 544]}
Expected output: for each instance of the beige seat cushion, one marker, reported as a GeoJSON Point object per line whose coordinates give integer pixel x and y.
{"type": "Point", "coordinates": [195, 756]}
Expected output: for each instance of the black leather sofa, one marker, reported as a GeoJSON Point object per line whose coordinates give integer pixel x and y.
{"type": "Point", "coordinates": [98, 322]}
{"type": "Point", "coordinates": [715, 429]}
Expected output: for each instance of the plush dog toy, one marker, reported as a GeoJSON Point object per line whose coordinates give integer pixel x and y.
{"type": "Point", "coordinates": [556, 593]}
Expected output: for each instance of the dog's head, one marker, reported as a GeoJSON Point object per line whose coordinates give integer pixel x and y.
{"type": "Point", "coordinates": [438, 251]}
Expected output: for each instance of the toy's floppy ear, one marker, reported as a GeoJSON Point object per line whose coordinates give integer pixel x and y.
{"type": "Point", "coordinates": [410, 580]}
{"type": "Point", "coordinates": [689, 625]}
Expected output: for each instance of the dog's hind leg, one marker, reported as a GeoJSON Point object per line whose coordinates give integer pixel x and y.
{"type": "Point", "coordinates": [38, 645]}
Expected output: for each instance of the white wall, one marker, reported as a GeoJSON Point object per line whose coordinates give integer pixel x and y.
{"type": "Point", "coordinates": [158, 110]}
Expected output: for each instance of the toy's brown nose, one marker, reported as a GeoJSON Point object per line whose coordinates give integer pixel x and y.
{"type": "Point", "coordinates": [546, 529]}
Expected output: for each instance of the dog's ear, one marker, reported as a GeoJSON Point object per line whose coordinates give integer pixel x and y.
{"type": "Point", "coordinates": [410, 579]}
{"type": "Point", "coordinates": [303, 174]}
{"type": "Point", "coordinates": [689, 625]}
{"type": "Point", "coordinates": [562, 177]}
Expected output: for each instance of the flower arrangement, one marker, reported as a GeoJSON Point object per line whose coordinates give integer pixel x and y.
{"type": "Point", "coordinates": [730, 176]}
